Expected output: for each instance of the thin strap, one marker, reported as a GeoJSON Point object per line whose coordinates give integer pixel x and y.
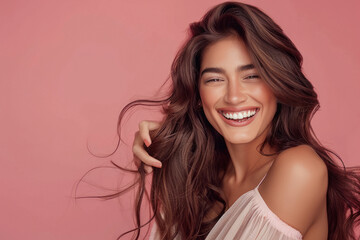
{"type": "Point", "coordinates": [265, 175]}
{"type": "Point", "coordinates": [261, 181]}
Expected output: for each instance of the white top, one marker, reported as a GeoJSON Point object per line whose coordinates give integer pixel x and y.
{"type": "Point", "coordinates": [249, 218]}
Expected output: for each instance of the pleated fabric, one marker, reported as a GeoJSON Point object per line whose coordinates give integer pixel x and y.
{"type": "Point", "coordinates": [249, 218]}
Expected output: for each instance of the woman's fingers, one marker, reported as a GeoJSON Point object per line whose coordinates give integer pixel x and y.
{"type": "Point", "coordinates": [142, 155]}
{"type": "Point", "coordinates": [144, 128]}
{"type": "Point", "coordinates": [147, 168]}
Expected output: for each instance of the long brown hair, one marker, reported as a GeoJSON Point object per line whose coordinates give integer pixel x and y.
{"type": "Point", "coordinates": [186, 189]}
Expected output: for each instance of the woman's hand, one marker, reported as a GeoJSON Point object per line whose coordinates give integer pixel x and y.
{"type": "Point", "coordinates": [143, 136]}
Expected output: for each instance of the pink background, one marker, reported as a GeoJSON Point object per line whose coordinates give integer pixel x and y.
{"type": "Point", "coordinates": [68, 67]}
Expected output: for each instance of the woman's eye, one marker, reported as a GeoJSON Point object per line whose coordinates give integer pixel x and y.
{"type": "Point", "coordinates": [252, 76]}
{"type": "Point", "coordinates": [213, 80]}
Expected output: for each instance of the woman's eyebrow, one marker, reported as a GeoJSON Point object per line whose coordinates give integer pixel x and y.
{"type": "Point", "coordinates": [221, 70]}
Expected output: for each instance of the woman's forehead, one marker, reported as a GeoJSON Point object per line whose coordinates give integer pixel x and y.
{"type": "Point", "coordinates": [226, 53]}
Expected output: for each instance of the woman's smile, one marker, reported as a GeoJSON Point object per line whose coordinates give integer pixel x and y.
{"type": "Point", "coordinates": [239, 118]}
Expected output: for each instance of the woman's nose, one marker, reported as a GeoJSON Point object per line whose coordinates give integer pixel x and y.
{"type": "Point", "coordinates": [235, 93]}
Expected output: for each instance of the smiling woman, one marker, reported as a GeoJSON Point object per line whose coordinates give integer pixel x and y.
{"type": "Point", "coordinates": [238, 155]}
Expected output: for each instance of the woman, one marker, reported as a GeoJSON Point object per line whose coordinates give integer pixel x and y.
{"type": "Point", "coordinates": [237, 154]}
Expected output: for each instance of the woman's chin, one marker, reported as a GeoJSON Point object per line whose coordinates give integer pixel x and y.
{"type": "Point", "coordinates": [239, 140]}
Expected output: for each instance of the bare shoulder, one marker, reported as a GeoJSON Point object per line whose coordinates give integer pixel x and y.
{"type": "Point", "coordinates": [295, 187]}
{"type": "Point", "coordinates": [303, 160]}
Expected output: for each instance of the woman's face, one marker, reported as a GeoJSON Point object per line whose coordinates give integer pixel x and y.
{"type": "Point", "coordinates": [236, 101]}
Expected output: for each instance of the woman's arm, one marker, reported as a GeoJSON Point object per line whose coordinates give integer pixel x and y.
{"type": "Point", "coordinates": [143, 137]}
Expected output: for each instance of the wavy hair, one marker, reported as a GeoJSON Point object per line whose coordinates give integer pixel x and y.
{"type": "Point", "coordinates": [186, 192]}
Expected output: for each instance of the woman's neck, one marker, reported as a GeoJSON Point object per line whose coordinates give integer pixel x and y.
{"type": "Point", "coordinates": [246, 159]}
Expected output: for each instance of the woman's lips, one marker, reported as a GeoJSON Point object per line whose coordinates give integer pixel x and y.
{"type": "Point", "coordinates": [239, 118]}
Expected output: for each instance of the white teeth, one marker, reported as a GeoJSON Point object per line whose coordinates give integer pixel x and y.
{"type": "Point", "coordinates": [239, 115]}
